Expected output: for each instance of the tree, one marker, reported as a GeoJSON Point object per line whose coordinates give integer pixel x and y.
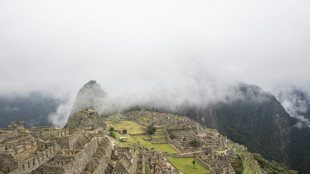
{"type": "Point", "coordinates": [111, 132]}
{"type": "Point", "coordinates": [194, 143]}
{"type": "Point", "coordinates": [194, 162]}
{"type": "Point", "coordinates": [150, 129]}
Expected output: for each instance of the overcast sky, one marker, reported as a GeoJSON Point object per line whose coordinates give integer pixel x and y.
{"type": "Point", "coordinates": [153, 45]}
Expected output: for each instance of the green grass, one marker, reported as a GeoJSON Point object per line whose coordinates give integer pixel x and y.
{"type": "Point", "coordinates": [147, 168]}
{"type": "Point", "coordinates": [186, 166]}
{"type": "Point", "coordinates": [144, 140]}
{"type": "Point", "coordinates": [158, 136]}
{"type": "Point", "coordinates": [157, 142]}
{"type": "Point", "coordinates": [132, 127]}
{"type": "Point", "coordinates": [159, 147]}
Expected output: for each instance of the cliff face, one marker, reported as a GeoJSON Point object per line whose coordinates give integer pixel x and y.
{"type": "Point", "coordinates": [254, 118]}
{"type": "Point", "coordinates": [297, 104]}
{"type": "Point", "coordinates": [90, 94]}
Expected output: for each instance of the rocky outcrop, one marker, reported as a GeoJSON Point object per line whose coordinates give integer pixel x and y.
{"type": "Point", "coordinates": [86, 118]}
{"type": "Point", "coordinates": [90, 94]}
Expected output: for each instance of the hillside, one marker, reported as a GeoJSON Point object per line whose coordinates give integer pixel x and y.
{"type": "Point", "coordinates": [258, 121]}
{"type": "Point", "coordinates": [82, 146]}
{"type": "Point", "coordinates": [252, 117]}
{"type": "Point", "coordinates": [174, 135]}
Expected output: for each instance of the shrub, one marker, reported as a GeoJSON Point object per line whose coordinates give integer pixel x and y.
{"type": "Point", "coordinates": [150, 129]}
{"type": "Point", "coordinates": [111, 132]}
{"type": "Point", "coordinates": [194, 143]}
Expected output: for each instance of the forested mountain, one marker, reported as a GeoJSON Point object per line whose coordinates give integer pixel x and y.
{"type": "Point", "coordinates": [34, 107]}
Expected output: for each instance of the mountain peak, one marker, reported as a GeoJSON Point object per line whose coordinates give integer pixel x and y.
{"type": "Point", "coordinates": [92, 83]}
{"type": "Point", "coordinates": [91, 94]}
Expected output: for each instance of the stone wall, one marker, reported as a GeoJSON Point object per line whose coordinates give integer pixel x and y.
{"type": "Point", "coordinates": [79, 161]}
{"type": "Point", "coordinates": [167, 135]}
{"type": "Point", "coordinates": [101, 158]}
{"type": "Point", "coordinates": [204, 164]}
{"type": "Point", "coordinates": [7, 163]}
{"type": "Point", "coordinates": [26, 166]}
{"type": "Point", "coordinates": [4, 135]}
{"type": "Point", "coordinates": [134, 163]}
{"type": "Point", "coordinates": [68, 141]}
{"type": "Point", "coordinates": [176, 169]}
{"type": "Point", "coordinates": [177, 155]}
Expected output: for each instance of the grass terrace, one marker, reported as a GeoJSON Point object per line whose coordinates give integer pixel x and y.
{"type": "Point", "coordinates": [144, 140]}
{"type": "Point", "coordinates": [132, 127]}
{"type": "Point", "coordinates": [186, 166]}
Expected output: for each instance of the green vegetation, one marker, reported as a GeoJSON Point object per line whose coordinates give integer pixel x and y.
{"type": "Point", "coordinates": [186, 166]}
{"type": "Point", "coordinates": [22, 132]}
{"type": "Point", "coordinates": [147, 168]}
{"type": "Point", "coordinates": [111, 132]}
{"type": "Point", "coordinates": [142, 140]}
{"type": "Point", "coordinates": [171, 135]}
{"type": "Point", "coordinates": [150, 130]}
{"type": "Point", "coordinates": [244, 163]}
{"type": "Point", "coordinates": [130, 126]}
{"type": "Point", "coordinates": [272, 167]}
{"type": "Point", "coordinates": [133, 108]}
{"type": "Point", "coordinates": [237, 164]}
{"type": "Point", "coordinates": [194, 143]}
{"type": "Point", "coordinates": [159, 147]}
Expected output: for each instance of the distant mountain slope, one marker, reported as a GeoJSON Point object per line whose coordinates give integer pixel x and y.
{"type": "Point", "coordinates": [254, 118]}
{"type": "Point", "coordinates": [297, 103]}
{"type": "Point", "coordinates": [299, 150]}
{"type": "Point", "coordinates": [34, 108]}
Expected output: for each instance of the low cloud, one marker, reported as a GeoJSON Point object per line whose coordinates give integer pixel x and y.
{"type": "Point", "coordinates": [60, 117]}
{"type": "Point", "coordinates": [168, 51]}
{"type": "Point", "coordinates": [296, 102]}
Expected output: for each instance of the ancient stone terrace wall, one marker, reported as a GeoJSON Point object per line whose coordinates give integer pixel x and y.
{"type": "Point", "coordinates": [7, 163]}
{"type": "Point", "coordinates": [107, 145]}
{"type": "Point", "coordinates": [134, 162]}
{"type": "Point", "coordinates": [13, 165]}
{"type": "Point", "coordinates": [51, 149]}
{"type": "Point", "coordinates": [121, 166]}
{"type": "Point", "coordinates": [46, 133]}
{"type": "Point", "coordinates": [17, 125]}
{"type": "Point", "coordinates": [204, 164]}
{"type": "Point", "coordinates": [6, 134]}
{"type": "Point", "coordinates": [78, 162]}
{"type": "Point", "coordinates": [68, 141]}
{"type": "Point", "coordinates": [101, 158]}
{"type": "Point", "coordinates": [14, 146]}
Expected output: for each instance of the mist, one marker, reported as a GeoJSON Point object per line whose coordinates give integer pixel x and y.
{"type": "Point", "coordinates": [297, 103]}
{"type": "Point", "coordinates": [141, 51]}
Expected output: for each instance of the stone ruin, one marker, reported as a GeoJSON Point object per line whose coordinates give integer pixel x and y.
{"type": "Point", "coordinates": [17, 125]}
{"type": "Point", "coordinates": [51, 150]}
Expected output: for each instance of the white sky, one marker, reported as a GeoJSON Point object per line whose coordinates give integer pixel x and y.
{"type": "Point", "coordinates": [145, 47]}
